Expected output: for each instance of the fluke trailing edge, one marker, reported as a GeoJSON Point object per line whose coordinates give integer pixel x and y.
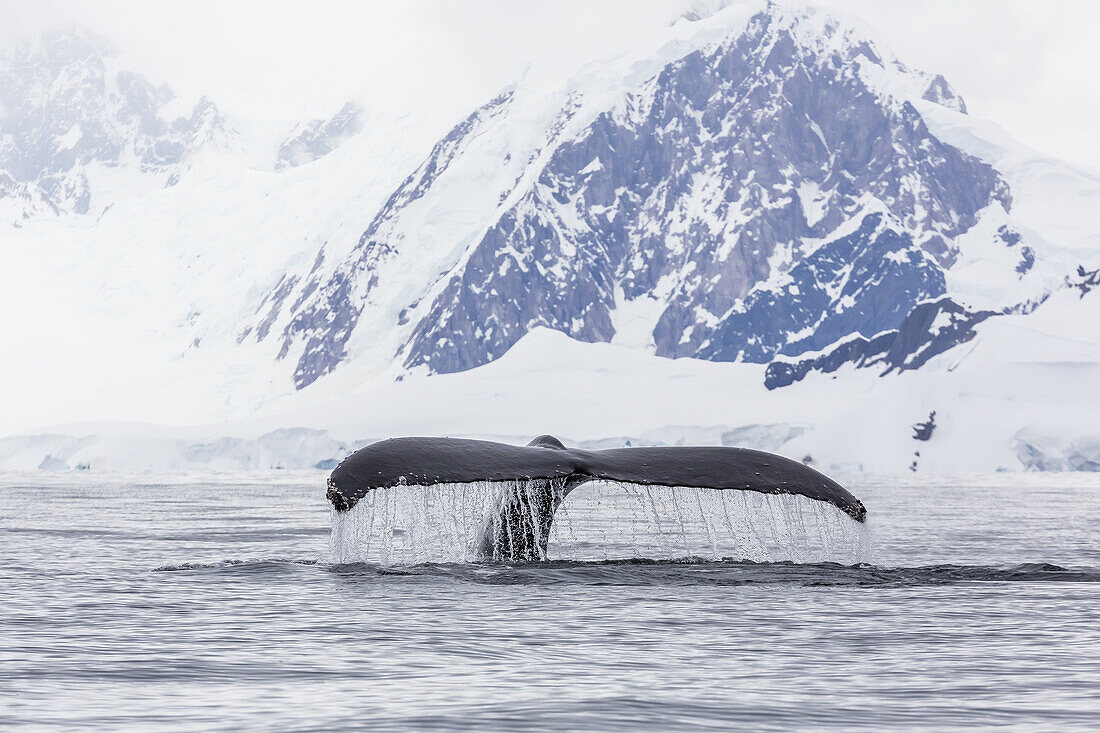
{"type": "Point", "coordinates": [536, 478]}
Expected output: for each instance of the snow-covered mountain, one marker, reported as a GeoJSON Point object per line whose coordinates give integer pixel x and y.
{"type": "Point", "coordinates": [770, 193]}
{"type": "Point", "coordinates": [311, 140]}
{"type": "Point", "coordinates": [77, 131]}
{"type": "Point", "coordinates": [764, 199]}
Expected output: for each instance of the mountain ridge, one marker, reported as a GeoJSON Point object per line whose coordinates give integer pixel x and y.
{"type": "Point", "coordinates": [70, 113]}
{"type": "Point", "coordinates": [462, 330]}
{"type": "Point", "coordinates": [620, 207]}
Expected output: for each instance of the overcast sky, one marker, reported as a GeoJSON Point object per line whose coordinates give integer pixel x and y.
{"type": "Point", "coordinates": [1030, 65]}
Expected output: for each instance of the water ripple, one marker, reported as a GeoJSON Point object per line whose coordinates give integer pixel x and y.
{"type": "Point", "coordinates": [686, 571]}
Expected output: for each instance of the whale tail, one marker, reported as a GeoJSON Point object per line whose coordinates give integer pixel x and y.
{"type": "Point", "coordinates": [518, 527]}
{"type": "Point", "coordinates": [531, 482]}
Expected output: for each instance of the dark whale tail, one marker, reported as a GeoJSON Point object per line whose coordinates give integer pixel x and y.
{"type": "Point", "coordinates": [535, 479]}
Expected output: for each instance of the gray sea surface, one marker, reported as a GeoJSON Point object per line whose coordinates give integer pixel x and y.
{"type": "Point", "coordinates": [208, 602]}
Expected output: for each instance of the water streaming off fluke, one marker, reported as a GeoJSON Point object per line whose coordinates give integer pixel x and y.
{"type": "Point", "coordinates": [449, 523]}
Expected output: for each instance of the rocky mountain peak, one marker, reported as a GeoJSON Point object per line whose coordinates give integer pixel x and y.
{"type": "Point", "coordinates": [705, 190]}
{"type": "Point", "coordinates": [70, 110]}
{"type": "Point", "coordinates": [762, 195]}
{"type": "Point", "coordinates": [317, 138]}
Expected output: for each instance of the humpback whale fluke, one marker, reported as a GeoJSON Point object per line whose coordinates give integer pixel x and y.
{"type": "Point", "coordinates": [536, 478]}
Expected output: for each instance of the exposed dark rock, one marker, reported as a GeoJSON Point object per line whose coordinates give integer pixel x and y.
{"type": "Point", "coordinates": [328, 311]}
{"type": "Point", "coordinates": [866, 283]}
{"type": "Point", "coordinates": [1011, 239]}
{"type": "Point", "coordinates": [929, 330]}
{"type": "Point", "coordinates": [317, 138]}
{"type": "Point", "coordinates": [275, 298]}
{"type": "Point", "coordinates": [923, 430]}
{"type": "Point", "coordinates": [940, 92]}
{"type": "Point", "coordinates": [1085, 281]}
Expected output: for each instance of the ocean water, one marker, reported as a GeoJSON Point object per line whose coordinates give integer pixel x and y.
{"type": "Point", "coordinates": [211, 603]}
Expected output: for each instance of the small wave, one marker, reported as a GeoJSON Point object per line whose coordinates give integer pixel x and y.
{"type": "Point", "coordinates": [641, 572]}
{"type": "Point", "coordinates": [261, 565]}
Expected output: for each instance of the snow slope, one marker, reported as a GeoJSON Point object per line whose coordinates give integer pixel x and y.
{"type": "Point", "coordinates": [760, 187]}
